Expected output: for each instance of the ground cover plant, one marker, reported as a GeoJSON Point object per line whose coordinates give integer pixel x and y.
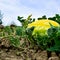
{"type": "Point", "coordinates": [44, 37]}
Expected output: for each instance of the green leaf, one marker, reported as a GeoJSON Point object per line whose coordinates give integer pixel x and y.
{"type": "Point", "coordinates": [52, 31]}
{"type": "Point", "coordinates": [54, 48]}
{"type": "Point", "coordinates": [29, 31]}
{"type": "Point", "coordinates": [8, 30]}
{"type": "Point", "coordinates": [14, 41]}
{"type": "Point", "coordinates": [19, 31]}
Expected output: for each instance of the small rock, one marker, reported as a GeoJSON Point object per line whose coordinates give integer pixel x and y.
{"type": "Point", "coordinates": [7, 58]}
{"type": "Point", "coordinates": [18, 53]}
{"type": "Point", "coordinates": [53, 54]}
{"type": "Point", "coordinates": [53, 58]}
{"type": "Point", "coordinates": [12, 56]}
{"type": "Point", "coordinates": [41, 56]}
{"type": "Point", "coordinates": [28, 59]}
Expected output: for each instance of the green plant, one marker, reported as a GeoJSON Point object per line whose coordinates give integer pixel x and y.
{"type": "Point", "coordinates": [55, 18]}
{"type": "Point", "coordinates": [7, 30]}
{"type": "Point", "coordinates": [29, 34]}
{"type": "Point", "coordinates": [20, 31]}
{"type": "Point", "coordinates": [55, 35]}
{"type": "Point", "coordinates": [14, 41]}
{"type": "Point", "coordinates": [49, 41]}
{"type": "Point", "coordinates": [43, 17]}
{"type": "Point", "coordinates": [26, 21]}
{"type": "Point", "coordinates": [45, 39]}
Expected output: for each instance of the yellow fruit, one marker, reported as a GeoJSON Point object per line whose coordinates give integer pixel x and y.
{"type": "Point", "coordinates": [41, 26]}
{"type": "Point", "coordinates": [43, 22]}
{"type": "Point", "coordinates": [40, 31]}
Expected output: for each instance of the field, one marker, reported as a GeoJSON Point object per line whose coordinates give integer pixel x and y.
{"type": "Point", "coordinates": [18, 43]}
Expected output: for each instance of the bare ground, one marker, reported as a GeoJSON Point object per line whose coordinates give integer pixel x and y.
{"type": "Point", "coordinates": [8, 52]}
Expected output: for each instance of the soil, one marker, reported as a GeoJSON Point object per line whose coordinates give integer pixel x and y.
{"type": "Point", "coordinates": [8, 52]}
